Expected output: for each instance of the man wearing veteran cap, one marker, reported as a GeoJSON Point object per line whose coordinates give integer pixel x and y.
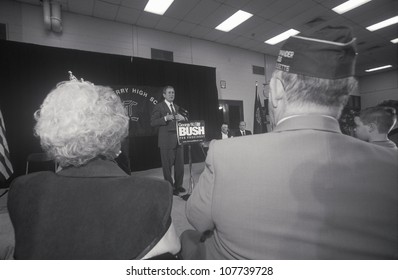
{"type": "Point", "coordinates": [305, 190]}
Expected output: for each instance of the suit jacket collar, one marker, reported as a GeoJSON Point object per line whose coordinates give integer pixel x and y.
{"type": "Point", "coordinates": [309, 122]}
{"type": "Point", "coordinates": [97, 167]}
{"type": "Point", "coordinates": [168, 104]}
{"type": "Point", "coordinates": [167, 107]}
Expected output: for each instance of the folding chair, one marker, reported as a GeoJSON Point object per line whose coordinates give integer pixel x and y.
{"type": "Point", "coordinates": [40, 162]}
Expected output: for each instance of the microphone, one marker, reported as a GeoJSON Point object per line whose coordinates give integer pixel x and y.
{"type": "Point", "coordinates": [184, 111]}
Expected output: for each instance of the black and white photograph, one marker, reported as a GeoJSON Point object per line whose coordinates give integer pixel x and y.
{"type": "Point", "coordinates": [174, 136]}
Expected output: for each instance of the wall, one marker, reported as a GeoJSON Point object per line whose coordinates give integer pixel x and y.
{"type": "Point", "coordinates": [234, 65]}
{"type": "Point", "coordinates": [25, 24]}
{"type": "Point", "coordinates": [378, 87]}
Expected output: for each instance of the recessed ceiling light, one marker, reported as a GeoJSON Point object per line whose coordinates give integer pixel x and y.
{"type": "Point", "coordinates": [349, 5]}
{"type": "Point", "coordinates": [383, 24]}
{"type": "Point", "coordinates": [378, 68]}
{"type": "Point", "coordinates": [158, 7]}
{"type": "Point", "coordinates": [234, 20]}
{"type": "Point", "coordinates": [394, 41]}
{"type": "Point", "coordinates": [281, 37]}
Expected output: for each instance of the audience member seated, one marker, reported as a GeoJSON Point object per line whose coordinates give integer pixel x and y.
{"type": "Point", "coordinates": [90, 209]}
{"type": "Point", "coordinates": [242, 131]}
{"type": "Point", "coordinates": [225, 133]}
{"type": "Point", "coordinates": [347, 121]}
{"type": "Point", "coordinates": [373, 125]}
{"type": "Point", "coordinates": [393, 134]}
{"type": "Point", "coordinates": [305, 190]}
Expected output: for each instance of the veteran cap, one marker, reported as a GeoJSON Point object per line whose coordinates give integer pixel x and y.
{"type": "Point", "coordinates": [329, 53]}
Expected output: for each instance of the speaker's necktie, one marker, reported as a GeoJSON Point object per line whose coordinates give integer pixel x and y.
{"type": "Point", "coordinates": [172, 110]}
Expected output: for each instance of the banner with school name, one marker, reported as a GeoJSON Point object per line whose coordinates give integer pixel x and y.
{"type": "Point", "coordinates": [191, 132]}
{"type": "Point", "coordinates": [138, 102]}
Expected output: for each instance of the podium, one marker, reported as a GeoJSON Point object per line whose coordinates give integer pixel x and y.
{"type": "Point", "coordinates": [189, 132]}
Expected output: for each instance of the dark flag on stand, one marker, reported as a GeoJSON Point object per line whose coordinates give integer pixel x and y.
{"type": "Point", "coordinates": [5, 163]}
{"type": "Point", "coordinates": [258, 123]}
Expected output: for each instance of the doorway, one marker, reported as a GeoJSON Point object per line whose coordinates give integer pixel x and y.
{"type": "Point", "coordinates": [230, 112]}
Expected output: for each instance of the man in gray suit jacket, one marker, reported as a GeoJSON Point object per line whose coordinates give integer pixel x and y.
{"type": "Point", "coordinates": [165, 116]}
{"type": "Point", "coordinates": [305, 190]}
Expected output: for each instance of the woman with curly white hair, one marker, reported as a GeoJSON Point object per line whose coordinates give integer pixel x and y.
{"type": "Point", "coordinates": [90, 209]}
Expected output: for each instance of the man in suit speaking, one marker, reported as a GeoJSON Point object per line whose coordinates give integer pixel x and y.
{"type": "Point", "coordinates": [165, 116]}
{"type": "Point", "coordinates": [305, 190]}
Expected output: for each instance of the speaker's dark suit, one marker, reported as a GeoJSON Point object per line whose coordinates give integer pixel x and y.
{"type": "Point", "coordinates": [171, 152]}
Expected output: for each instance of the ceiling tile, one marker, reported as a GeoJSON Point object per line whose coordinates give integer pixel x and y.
{"type": "Point", "coordinates": [116, 2]}
{"type": "Point", "coordinates": [200, 31]}
{"type": "Point", "coordinates": [269, 29]}
{"type": "Point", "coordinates": [201, 11]}
{"type": "Point", "coordinates": [135, 4]}
{"type": "Point", "coordinates": [256, 6]}
{"type": "Point", "coordinates": [330, 4]}
{"type": "Point", "coordinates": [293, 11]}
{"type": "Point", "coordinates": [197, 18]}
{"type": "Point", "coordinates": [148, 20]}
{"type": "Point", "coordinates": [248, 27]}
{"type": "Point", "coordinates": [276, 7]}
{"type": "Point", "coordinates": [180, 8]}
{"type": "Point", "coordinates": [105, 10]}
{"type": "Point", "coordinates": [374, 13]}
{"type": "Point", "coordinates": [213, 35]}
{"type": "Point", "coordinates": [369, 8]}
{"type": "Point", "coordinates": [218, 16]}
{"type": "Point", "coordinates": [238, 4]}
{"type": "Point", "coordinates": [312, 17]}
{"type": "Point", "coordinates": [128, 15]}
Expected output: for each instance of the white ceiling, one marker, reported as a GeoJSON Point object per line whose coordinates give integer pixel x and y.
{"type": "Point", "coordinates": [197, 18]}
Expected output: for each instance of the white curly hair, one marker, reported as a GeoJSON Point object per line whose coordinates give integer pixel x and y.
{"type": "Point", "coordinates": [79, 121]}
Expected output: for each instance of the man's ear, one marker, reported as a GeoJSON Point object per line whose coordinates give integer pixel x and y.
{"type": "Point", "coordinates": [277, 92]}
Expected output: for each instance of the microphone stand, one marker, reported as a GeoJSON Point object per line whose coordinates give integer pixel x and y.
{"type": "Point", "coordinates": [191, 181]}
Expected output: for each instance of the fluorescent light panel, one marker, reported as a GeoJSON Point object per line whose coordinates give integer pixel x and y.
{"type": "Point", "coordinates": [234, 20]}
{"type": "Point", "coordinates": [394, 41]}
{"type": "Point", "coordinates": [281, 37]}
{"type": "Point", "coordinates": [383, 24]}
{"type": "Point", "coordinates": [378, 68]}
{"type": "Point", "coordinates": [158, 7]}
{"type": "Point", "coordinates": [349, 5]}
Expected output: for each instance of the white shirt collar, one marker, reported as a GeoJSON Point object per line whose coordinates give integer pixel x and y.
{"type": "Point", "coordinates": [294, 116]}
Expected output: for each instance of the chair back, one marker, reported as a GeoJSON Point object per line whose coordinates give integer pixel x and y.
{"type": "Point", "coordinates": [40, 162]}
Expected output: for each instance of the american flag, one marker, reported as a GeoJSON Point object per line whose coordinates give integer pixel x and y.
{"type": "Point", "coordinates": [5, 163]}
{"type": "Point", "coordinates": [258, 123]}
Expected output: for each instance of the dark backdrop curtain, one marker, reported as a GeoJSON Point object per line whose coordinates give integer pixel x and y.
{"type": "Point", "coordinates": [28, 73]}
